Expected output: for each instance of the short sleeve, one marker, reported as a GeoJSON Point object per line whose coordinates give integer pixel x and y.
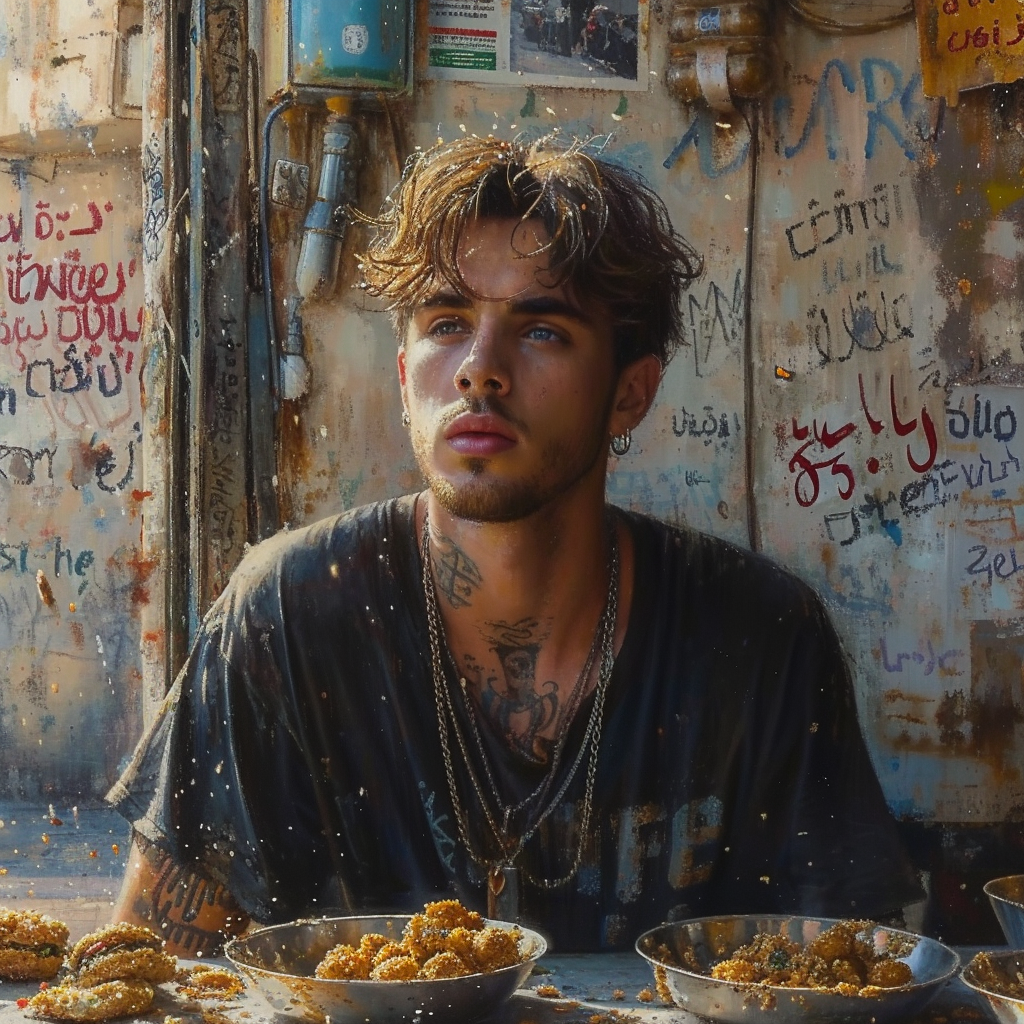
{"type": "Point", "coordinates": [222, 770]}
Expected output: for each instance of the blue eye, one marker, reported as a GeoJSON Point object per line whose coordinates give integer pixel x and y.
{"type": "Point", "coordinates": [543, 334]}
{"type": "Point", "coordinates": [445, 327]}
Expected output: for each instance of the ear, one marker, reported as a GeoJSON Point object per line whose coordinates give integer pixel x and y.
{"type": "Point", "coordinates": [401, 372]}
{"type": "Point", "coordinates": [637, 385]}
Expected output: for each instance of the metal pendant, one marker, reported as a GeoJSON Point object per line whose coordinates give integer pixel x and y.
{"type": "Point", "coordinates": [503, 893]}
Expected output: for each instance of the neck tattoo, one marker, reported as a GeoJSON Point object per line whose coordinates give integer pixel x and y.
{"type": "Point", "coordinates": [511, 826]}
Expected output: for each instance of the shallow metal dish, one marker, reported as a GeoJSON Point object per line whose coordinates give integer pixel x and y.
{"type": "Point", "coordinates": [712, 939]}
{"type": "Point", "coordinates": [280, 961]}
{"type": "Point", "coordinates": [1007, 1010]}
{"type": "Point", "coordinates": [1007, 898]}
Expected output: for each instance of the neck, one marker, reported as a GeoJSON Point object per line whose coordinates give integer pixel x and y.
{"type": "Point", "coordinates": [548, 567]}
{"type": "Point", "coordinates": [520, 604]}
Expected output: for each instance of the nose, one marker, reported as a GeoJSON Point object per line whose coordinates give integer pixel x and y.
{"type": "Point", "coordinates": [483, 371]}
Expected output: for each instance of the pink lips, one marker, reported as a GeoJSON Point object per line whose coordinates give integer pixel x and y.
{"type": "Point", "coordinates": [479, 435]}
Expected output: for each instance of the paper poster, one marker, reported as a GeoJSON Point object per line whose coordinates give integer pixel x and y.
{"type": "Point", "coordinates": [600, 44]}
{"type": "Point", "coordinates": [966, 44]}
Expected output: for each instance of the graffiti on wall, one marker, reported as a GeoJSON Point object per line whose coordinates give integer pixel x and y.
{"type": "Point", "coordinates": [70, 469]}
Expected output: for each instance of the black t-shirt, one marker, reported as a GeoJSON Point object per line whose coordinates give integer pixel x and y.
{"type": "Point", "coordinates": [297, 759]}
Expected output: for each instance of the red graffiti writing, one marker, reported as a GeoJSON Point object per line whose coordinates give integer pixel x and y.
{"type": "Point", "coordinates": [983, 37]}
{"type": "Point", "coordinates": [55, 224]}
{"type": "Point", "coordinates": [815, 454]}
{"type": "Point", "coordinates": [67, 279]}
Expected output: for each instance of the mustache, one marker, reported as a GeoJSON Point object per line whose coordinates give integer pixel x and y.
{"type": "Point", "coordinates": [479, 407]}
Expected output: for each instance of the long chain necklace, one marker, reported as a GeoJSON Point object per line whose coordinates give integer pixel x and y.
{"type": "Point", "coordinates": [502, 874]}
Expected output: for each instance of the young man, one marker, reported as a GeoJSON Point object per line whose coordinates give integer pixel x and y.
{"type": "Point", "coordinates": [503, 688]}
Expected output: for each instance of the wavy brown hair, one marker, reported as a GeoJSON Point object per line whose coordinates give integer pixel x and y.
{"type": "Point", "coordinates": [610, 236]}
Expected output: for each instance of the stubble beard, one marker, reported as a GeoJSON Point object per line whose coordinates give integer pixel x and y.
{"type": "Point", "coordinates": [486, 499]}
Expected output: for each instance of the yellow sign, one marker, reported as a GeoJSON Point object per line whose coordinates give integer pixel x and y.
{"type": "Point", "coordinates": [966, 44]}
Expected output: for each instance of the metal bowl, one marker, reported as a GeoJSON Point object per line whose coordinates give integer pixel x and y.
{"type": "Point", "coordinates": [705, 941]}
{"type": "Point", "coordinates": [280, 961]}
{"type": "Point", "coordinates": [1006, 1009]}
{"type": "Point", "coordinates": [1007, 898]}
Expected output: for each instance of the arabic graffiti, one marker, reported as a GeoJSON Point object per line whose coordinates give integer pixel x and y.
{"type": "Point", "coordinates": [874, 264]}
{"type": "Point", "coordinates": [46, 222]}
{"type": "Point", "coordinates": [983, 37]}
{"type": "Point", "coordinates": [807, 485]}
{"type": "Point", "coordinates": [714, 425]}
{"type": "Point", "coordinates": [866, 321]}
{"type": "Point", "coordinates": [929, 660]}
{"type": "Point", "coordinates": [1002, 426]}
{"type": "Point", "coordinates": [943, 483]}
{"type": "Point", "coordinates": [845, 527]}
{"type": "Point", "coordinates": [805, 237]}
{"type": "Point", "coordinates": [44, 376]}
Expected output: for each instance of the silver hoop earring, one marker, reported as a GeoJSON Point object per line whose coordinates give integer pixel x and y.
{"type": "Point", "coordinates": [620, 443]}
{"type": "Point", "coordinates": [405, 418]}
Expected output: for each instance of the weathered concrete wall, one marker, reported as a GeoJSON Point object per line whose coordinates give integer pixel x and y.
{"type": "Point", "coordinates": [72, 579]}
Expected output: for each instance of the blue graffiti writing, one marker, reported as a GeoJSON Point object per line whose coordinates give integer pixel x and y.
{"type": "Point", "coordinates": [1002, 565]}
{"type": "Point", "coordinates": [694, 479]}
{"type": "Point", "coordinates": [892, 109]}
{"type": "Point", "coordinates": [21, 559]}
{"type": "Point", "coordinates": [929, 659]}
{"type": "Point", "coordinates": [43, 376]}
{"type": "Point", "coordinates": [1002, 426]}
{"type": "Point", "coordinates": [710, 143]}
{"type": "Point", "coordinates": [984, 472]}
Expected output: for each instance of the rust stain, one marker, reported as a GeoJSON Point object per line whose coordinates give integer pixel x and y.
{"type": "Point", "coordinates": [85, 457]}
{"type": "Point", "coordinates": [141, 569]}
{"type": "Point", "coordinates": [78, 635]}
{"type": "Point", "coordinates": [828, 558]}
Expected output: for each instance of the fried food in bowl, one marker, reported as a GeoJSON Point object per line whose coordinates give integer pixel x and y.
{"type": "Point", "coordinates": [750, 968]}
{"type": "Point", "coordinates": [446, 965]}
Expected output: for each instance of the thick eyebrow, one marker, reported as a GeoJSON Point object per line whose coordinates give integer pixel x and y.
{"type": "Point", "coordinates": [447, 298]}
{"type": "Point", "coordinates": [548, 305]}
{"type": "Point", "coordinates": [537, 305]}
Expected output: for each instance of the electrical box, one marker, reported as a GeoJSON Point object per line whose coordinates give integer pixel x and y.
{"type": "Point", "coordinates": [349, 44]}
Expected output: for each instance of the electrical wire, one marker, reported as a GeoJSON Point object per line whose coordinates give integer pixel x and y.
{"type": "Point", "coordinates": [268, 277]}
{"type": "Point", "coordinates": [852, 27]}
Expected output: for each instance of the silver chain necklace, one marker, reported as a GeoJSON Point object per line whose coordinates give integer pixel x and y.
{"type": "Point", "coordinates": [502, 874]}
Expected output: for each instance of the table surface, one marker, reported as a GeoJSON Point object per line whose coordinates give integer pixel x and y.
{"type": "Point", "coordinates": [588, 985]}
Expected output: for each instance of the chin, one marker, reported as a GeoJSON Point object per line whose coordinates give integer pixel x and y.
{"type": "Point", "coordinates": [488, 501]}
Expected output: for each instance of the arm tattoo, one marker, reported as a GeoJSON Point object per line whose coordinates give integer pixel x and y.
{"type": "Point", "coordinates": [521, 710]}
{"type": "Point", "coordinates": [188, 909]}
{"type": "Point", "coordinates": [456, 573]}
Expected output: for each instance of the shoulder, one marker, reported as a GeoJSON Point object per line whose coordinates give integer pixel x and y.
{"type": "Point", "coordinates": [336, 548]}
{"type": "Point", "coordinates": [723, 574]}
